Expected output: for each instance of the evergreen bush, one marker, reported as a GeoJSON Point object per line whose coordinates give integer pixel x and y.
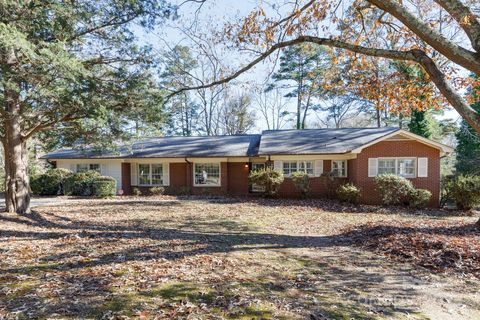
{"type": "Point", "coordinates": [105, 187]}
{"type": "Point", "coordinates": [301, 180]}
{"type": "Point", "coordinates": [50, 183]}
{"type": "Point", "coordinates": [348, 193]}
{"type": "Point", "coordinates": [81, 183]}
{"type": "Point", "coordinates": [268, 178]}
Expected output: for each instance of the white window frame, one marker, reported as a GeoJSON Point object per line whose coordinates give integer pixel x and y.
{"type": "Point", "coordinates": [408, 176]}
{"type": "Point", "coordinates": [208, 185]}
{"type": "Point", "coordinates": [89, 167]}
{"type": "Point", "coordinates": [344, 163]}
{"type": "Point", "coordinates": [150, 174]}
{"type": "Point", "coordinates": [298, 167]}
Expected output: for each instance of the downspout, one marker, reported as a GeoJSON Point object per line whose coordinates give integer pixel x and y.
{"type": "Point", "coordinates": [189, 173]}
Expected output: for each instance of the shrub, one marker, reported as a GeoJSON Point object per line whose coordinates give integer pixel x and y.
{"type": "Point", "coordinates": [348, 193]}
{"type": "Point", "coordinates": [464, 190]}
{"type": "Point", "coordinates": [50, 183]}
{"type": "Point", "coordinates": [419, 198]}
{"type": "Point", "coordinates": [136, 192]}
{"type": "Point", "coordinates": [301, 180]}
{"type": "Point", "coordinates": [156, 191]}
{"type": "Point", "coordinates": [268, 178]}
{"type": "Point", "coordinates": [393, 189]}
{"type": "Point", "coordinates": [104, 187]}
{"type": "Point", "coordinates": [331, 182]}
{"type": "Point", "coordinates": [81, 183]}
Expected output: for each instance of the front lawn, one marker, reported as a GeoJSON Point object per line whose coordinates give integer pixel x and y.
{"type": "Point", "coordinates": [235, 259]}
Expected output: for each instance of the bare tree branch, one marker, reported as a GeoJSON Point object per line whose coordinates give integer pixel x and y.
{"type": "Point", "coordinates": [465, 18]}
{"type": "Point", "coordinates": [452, 51]}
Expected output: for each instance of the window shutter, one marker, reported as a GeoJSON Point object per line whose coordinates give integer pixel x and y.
{"type": "Point", "coordinates": [318, 168]}
{"type": "Point", "coordinates": [103, 170]}
{"type": "Point", "coordinates": [278, 165]}
{"type": "Point", "coordinates": [166, 174]}
{"type": "Point", "coordinates": [134, 173]}
{"type": "Point", "coordinates": [422, 167]}
{"type": "Point", "coordinates": [73, 167]}
{"type": "Point", "coordinates": [372, 167]}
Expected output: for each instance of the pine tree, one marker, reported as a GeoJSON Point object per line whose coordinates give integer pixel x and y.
{"type": "Point", "coordinates": [301, 70]}
{"type": "Point", "coordinates": [468, 149]}
{"type": "Point", "coordinates": [420, 123]}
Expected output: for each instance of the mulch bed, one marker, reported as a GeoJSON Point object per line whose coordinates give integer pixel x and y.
{"type": "Point", "coordinates": [440, 246]}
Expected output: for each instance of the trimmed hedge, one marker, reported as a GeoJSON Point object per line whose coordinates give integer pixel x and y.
{"type": "Point", "coordinates": [464, 190]}
{"type": "Point", "coordinates": [81, 183]}
{"type": "Point", "coordinates": [349, 193]}
{"type": "Point", "coordinates": [420, 198]}
{"type": "Point", "coordinates": [394, 189]}
{"type": "Point", "coordinates": [268, 178]}
{"type": "Point", "coordinates": [105, 187]}
{"type": "Point", "coordinates": [50, 183]}
{"type": "Point", "coordinates": [301, 180]}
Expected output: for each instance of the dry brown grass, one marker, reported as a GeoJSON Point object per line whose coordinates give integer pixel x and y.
{"type": "Point", "coordinates": [213, 259]}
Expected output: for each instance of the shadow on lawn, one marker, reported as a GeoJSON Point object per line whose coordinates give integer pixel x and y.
{"type": "Point", "coordinates": [323, 288]}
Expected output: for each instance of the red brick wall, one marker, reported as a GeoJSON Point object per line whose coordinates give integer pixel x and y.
{"type": "Point", "coordinates": [396, 149]}
{"type": "Point", "coordinates": [126, 180]}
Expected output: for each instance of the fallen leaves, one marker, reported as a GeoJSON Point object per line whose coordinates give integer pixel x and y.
{"type": "Point", "coordinates": [442, 246]}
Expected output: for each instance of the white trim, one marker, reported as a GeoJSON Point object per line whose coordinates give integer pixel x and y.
{"type": "Point", "coordinates": [313, 157]}
{"type": "Point", "coordinates": [422, 167]}
{"type": "Point", "coordinates": [372, 167]}
{"type": "Point", "coordinates": [346, 168]}
{"type": "Point", "coordinates": [219, 174]}
{"type": "Point", "coordinates": [444, 149]}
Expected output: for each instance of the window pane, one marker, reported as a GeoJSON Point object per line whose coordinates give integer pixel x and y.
{"type": "Point", "coordinates": [144, 174]}
{"type": "Point", "coordinates": [82, 167]}
{"type": "Point", "coordinates": [309, 167]}
{"type": "Point", "coordinates": [339, 168]}
{"type": "Point", "coordinates": [157, 174]}
{"type": "Point", "coordinates": [406, 167]}
{"type": "Point", "coordinates": [95, 166]}
{"type": "Point", "coordinates": [207, 174]}
{"type": "Point", "coordinates": [386, 166]}
{"type": "Point", "coordinates": [258, 166]}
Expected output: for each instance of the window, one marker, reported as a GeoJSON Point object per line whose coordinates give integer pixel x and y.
{"type": "Point", "coordinates": [290, 167]}
{"type": "Point", "coordinates": [258, 166]}
{"type": "Point", "coordinates": [207, 174]}
{"type": "Point", "coordinates": [150, 174]}
{"type": "Point", "coordinates": [386, 166]}
{"type": "Point", "coordinates": [405, 167]}
{"type": "Point", "coordinates": [339, 168]}
{"type": "Point", "coordinates": [88, 166]}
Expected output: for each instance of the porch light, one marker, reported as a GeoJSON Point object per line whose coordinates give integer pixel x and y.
{"type": "Point", "coordinates": [246, 165]}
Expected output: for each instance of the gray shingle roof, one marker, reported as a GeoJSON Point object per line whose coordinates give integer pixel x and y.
{"type": "Point", "coordinates": [309, 141]}
{"type": "Point", "coordinates": [173, 147]}
{"type": "Point", "coordinates": [319, 141]}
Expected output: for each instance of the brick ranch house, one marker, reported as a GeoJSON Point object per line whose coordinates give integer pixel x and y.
{"type": "Point", "coordinates": [221, 164]}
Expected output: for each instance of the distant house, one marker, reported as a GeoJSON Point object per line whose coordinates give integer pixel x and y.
{"type": "Point", "coordinates": [221, 164]}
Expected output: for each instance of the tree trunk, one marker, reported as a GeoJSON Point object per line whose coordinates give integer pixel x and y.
{"type": "Point", "coordinates": [17, 189]}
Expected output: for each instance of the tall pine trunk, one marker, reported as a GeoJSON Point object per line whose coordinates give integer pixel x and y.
{"type": "Point", "coordinates": [17, 189]}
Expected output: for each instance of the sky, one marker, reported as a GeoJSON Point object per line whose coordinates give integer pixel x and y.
{"type": "Point", "coordinates": [214, 14]}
